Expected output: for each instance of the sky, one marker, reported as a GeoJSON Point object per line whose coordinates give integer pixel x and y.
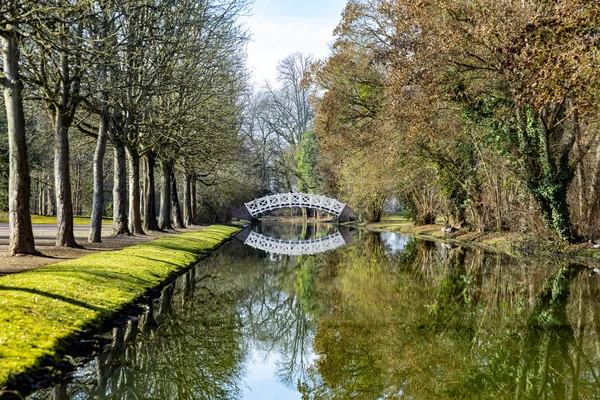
{"type": "Point", "coordinates": [282, 27]}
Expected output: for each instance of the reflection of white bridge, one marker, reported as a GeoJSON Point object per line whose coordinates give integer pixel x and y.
{"type": "Point", "coordinates": [283, 200]}
{"type": "Point", "coordinates": [294, 247]}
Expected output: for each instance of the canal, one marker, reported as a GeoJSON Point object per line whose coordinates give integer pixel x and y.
{"type": "Point", "coordinates": [366, 316]}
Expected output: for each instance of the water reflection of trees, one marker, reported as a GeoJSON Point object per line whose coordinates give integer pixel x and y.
{"type": "Point", "coordinates": [187, 346]}
{"type": "Point", "coordinates": [450, 322]}
{"type": "Point", "coordinates": [193, 342]}
{"type": "Point", "coordinates": [431, 322]}
{"type": "Point", "coordinates": [275, 318]}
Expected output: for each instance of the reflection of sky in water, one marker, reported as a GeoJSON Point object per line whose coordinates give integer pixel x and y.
{"type": "Point", "coordinates": [259, 382]}
{"type": "Point", "coordinates": [272, 370]}
{"type": "Point", "coordinates": [394, 242]}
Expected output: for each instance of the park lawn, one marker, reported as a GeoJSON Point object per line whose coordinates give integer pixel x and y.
{"type": "Point", "coordinates": [40, 309]}
{"type": "Point", "coordinates": [49, 220]}
{"type": "Point", "coordinates": [399, 223]}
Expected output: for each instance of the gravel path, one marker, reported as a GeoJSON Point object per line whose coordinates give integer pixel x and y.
{"type": "Point", "coordinates": [45, 237]}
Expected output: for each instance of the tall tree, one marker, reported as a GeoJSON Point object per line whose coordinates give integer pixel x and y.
{"type": "Point", "coordinates": [56, 66]}
{"type": "Point", "coordinates": [21, 232]}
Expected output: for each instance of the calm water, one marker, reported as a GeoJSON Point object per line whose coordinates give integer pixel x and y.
{"type": "Point", "coordinates": [381, 317]}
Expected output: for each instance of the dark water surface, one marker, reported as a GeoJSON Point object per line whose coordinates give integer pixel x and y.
{"type": "Point", "coordinates": [381, 317]}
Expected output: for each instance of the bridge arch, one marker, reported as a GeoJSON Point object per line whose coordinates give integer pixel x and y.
{"type": "Point", "coordinates": [301, 200]}
{"type": "Point", "coordinates": [294, 247]}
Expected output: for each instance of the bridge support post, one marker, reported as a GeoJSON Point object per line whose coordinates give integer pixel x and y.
{"type": "Point", "coordinates": [242, 214]}
{"type": "Point", "coordinates": [347, 215]}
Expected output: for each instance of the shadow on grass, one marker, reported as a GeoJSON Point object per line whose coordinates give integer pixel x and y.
{"type": "Point", "coordinates": [191, 248]}
{"type": "Point", "coordinates": [133, 255]}
{"type": "Point", "coordinates": [109, 275]}
{"type": "Point", "coordinates": [54, 297]}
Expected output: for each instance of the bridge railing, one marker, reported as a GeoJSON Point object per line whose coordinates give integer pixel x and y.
{"type": "Point", "coordinates": [282, 200]}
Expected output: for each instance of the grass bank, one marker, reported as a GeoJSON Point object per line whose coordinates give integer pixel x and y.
{"type": "Point", "coordinates": [49, 220]}
{"type": "Point", "coordinates": [507, 242]}
{"type": "Point", "coordinates": [41, 309]}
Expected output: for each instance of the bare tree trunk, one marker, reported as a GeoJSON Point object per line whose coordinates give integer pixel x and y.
{"type": "Point", "coordinates": [52, 201]}
{"type": "Point", "coordinates": [582, 223]}
{"type": "Point", "coordinates": [135, 218]}
{"type": "Point", "coordinates": [21, 233]}
{"type": "Point", "coordinates": [40, 208]}
{"type": "Point", "coordinates": [164, 218]}
{"type": "Point", "coordinates": [187, 201]}
{"type": "Point", "coordinates": [79, 210]}
{"type": "Point", "coordinates": [150, 223]}
{"type": "Point", "coordinates": [143, 175]}
{"type": "Point", "coordinates": [581, 200]}
{"type": "Point", "coordinates": [46, 199]}
{"type": "Point", "coordinates": [62, 187]}
{"type": "Point", "coordinates": [43, 200]}
{"type": "Point", "coordinates": [177, 218]}
{"type": "Point", "coordinates": [120, 192]}
{"type": "Point", "coordinates": [77, 191]}
{"type": "Point", "coordinates": [98, 196]}
{"type": "Point", "coordinates": [194, 203]}
{"type": "Point", "coordinates": [594, 189]}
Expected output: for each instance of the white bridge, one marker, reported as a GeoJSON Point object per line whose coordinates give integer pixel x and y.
{"type": "Point", "coordinates": [294, 247]}
{"type": "Point", "coordinates": [282, 200]}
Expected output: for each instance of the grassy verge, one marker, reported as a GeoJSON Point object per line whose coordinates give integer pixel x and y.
{"type": "Point", "coordinates": [39, 309]}
{"type": "Point", "coordinates": [508, 242]}
{"type": "Point", "coordinates": [48, 220]}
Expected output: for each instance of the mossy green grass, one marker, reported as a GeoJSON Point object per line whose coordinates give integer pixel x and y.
{"type": "Point", "coordinates": [49, 220]}
{"type": "Point", "coordinates": [42, 308]}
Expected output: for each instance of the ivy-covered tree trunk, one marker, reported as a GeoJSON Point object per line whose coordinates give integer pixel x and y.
{"type": "Point", "coordinates": [551, 198]}
{"type": "Point", "coordinates": [546, 167]}
{"type": "Point", "coordinates": [21, 233]}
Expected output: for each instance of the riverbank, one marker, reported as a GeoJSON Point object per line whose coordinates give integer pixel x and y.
{"type": "Point", "coordinates": [507, 242]}
{"type": "Point", "coordinates": [42, 310]}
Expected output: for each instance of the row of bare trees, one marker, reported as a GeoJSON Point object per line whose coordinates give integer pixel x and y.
{"type": "Point", "coordinates": [158, 81]}
{"type": "Point", "coordinates": [279, 126]}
